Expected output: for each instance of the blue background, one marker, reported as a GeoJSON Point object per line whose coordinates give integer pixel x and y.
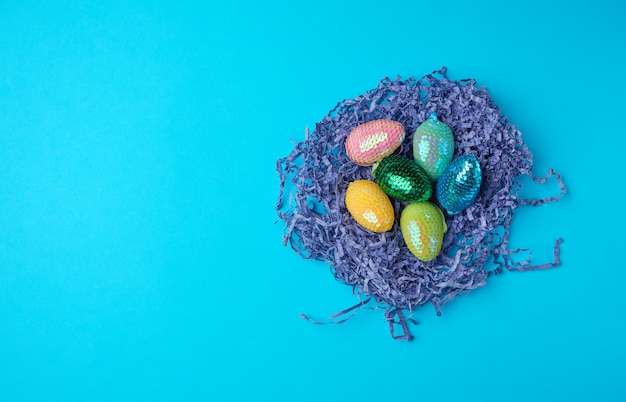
{"type": "Point", "coordinates": [139, 255]}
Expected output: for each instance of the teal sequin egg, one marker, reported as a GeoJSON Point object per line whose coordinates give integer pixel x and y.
{"type": "Point", "coordinates": [433, 146]}
{"type": "Point", "coordinates": [459, 184]}
{"type": "Point", "coordinates": [402, 178]}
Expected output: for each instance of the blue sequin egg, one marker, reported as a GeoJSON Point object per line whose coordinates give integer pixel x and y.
{"type": "Point", "coordinates": [459, 184]}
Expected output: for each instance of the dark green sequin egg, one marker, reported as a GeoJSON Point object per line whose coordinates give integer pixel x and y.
{"type": "Point", "coordinates": [402, 178]}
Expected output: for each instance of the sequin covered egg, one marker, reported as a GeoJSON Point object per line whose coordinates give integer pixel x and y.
{"type": "Point", "coordinates": [459, 184]}
{"type": "Point", "coordinates": [423, 226]}
{"type": "Point", "coordinates": [372, 141]}
{"type": "Point", "coordinates": [369, 206]}
{"type": "Point", "coordinates": [402, 178]}
{"type": "Point", "coordinates": [433, 146]}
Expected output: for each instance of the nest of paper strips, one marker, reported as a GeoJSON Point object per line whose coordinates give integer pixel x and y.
{"type": "Point", "coordinates": [379, 265]}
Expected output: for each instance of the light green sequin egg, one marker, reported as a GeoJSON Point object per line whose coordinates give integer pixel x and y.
{"type": "Point", "coordinates": [433, 146]}
{"type": "Point", "coordinates": [423, 226]}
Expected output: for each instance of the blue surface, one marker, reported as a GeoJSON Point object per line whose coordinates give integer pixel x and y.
{"type": "Point", "coordinates": [139, 255]}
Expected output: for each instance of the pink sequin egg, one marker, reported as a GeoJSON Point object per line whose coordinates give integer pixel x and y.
{"type": "Point", "coordinates": [374, 140]}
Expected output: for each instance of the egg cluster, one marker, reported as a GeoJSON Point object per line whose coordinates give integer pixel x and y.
{"type": "Point", "coordinates": [457, 182]}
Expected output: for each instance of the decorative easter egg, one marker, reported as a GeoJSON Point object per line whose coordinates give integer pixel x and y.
{"type": "Point", "coordinates": [369, 206]}
{"type": "Point", "coordinates": [433, 146]}
{"type": "Point", "coordinates": [372, 141]}
{"type": "Point", "coordinates": [423, 226]}
{"type": "Point", "coordinates": [459, 184]}
{"type": "Point", "coordinates": [402, 178]}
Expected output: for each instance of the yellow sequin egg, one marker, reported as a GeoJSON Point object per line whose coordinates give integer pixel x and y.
{"type": "Point", "coordinates": [423, 226]}
{"type": "Point", "coordinates": [369, 206]}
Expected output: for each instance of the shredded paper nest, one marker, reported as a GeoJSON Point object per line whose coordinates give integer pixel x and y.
{"type": "Point", "coordinates": [379, 265]}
